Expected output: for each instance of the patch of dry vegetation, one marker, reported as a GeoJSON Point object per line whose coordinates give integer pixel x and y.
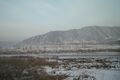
{"type": "Point", "coordinates": [26, 68]}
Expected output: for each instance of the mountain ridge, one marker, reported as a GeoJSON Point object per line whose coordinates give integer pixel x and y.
{"type": "Point", "coordinates": [87, 34]}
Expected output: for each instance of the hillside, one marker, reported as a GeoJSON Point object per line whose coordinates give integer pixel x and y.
{"type": "Point", "coordinates": [91, 34]}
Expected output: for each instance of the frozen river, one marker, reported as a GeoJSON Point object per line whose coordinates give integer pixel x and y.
{"type": "Point", "coordinates": [67, 55]}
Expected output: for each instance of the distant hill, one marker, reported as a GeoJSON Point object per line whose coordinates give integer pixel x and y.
{"type": "Point", "coordinates": [7, 44]}
{"type": "Point", "coordinates": [91, 34]}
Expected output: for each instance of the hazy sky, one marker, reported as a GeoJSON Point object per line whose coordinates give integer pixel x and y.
{"type": "Point", "coordinates": [20, 19]}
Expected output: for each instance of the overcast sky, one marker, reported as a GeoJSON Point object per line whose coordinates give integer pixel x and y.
{"type": "Point", "coordinates": [20, 19]}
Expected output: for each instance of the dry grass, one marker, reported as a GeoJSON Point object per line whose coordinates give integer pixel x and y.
{"type": "Point", "coordinates": [12, 69]}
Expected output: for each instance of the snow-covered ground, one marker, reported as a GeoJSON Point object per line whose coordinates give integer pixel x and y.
{"type": "Point", "coordinates": [75, 70]}
{"type": "Point", "coordinates": [98, 74]}
{"type": "Point", "coordinates": [75, 73]}
{"type": "Point", "coordinates": [81, 66]}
